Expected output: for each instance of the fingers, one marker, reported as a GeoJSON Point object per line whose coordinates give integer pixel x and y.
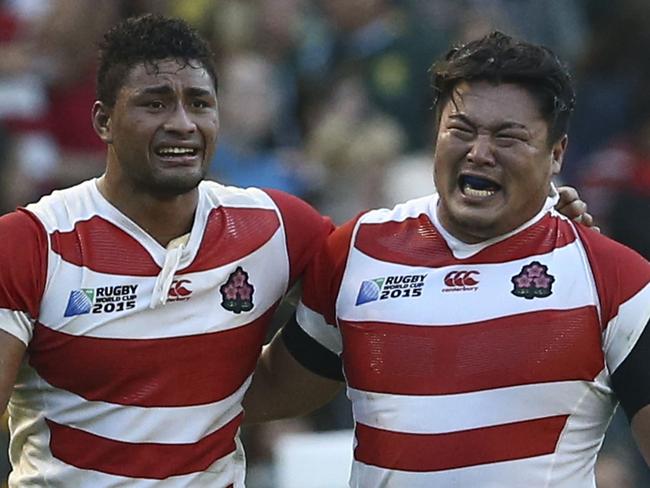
{"type": "Point", "coordinates": [571, 206]}
{"type": "Point", "coordinates": [568, 195]}
{"type": "Point", "coordinates": [587, 219]}
{"type": "Point", "coordinates": [574, 209]}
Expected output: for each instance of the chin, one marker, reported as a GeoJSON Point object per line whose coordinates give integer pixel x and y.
{"type": "Point", "coordinates": [480, 224]}
{"type": "Point", "coordinates": [177, 185]}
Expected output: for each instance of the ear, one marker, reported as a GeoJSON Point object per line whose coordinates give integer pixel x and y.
{"type": "Point", "coordinates": [557, 154]}
{"type": "Point", "coordinates": [101, 119]}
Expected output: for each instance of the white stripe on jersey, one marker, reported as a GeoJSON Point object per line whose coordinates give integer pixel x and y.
{"type": "Point", "coordinates": [402, 211]}
{"type": "Point", "coordinates": [315, 326]}
{"type": "Point", "coordinates": [458, 307]}
{"type": "Point", "coordinates": [529, 472]}
{"type": "Point", "coordinates": [622, 331]}
{"type": "Point", "coordinates": [131, 423]}
{"type": "Point", "coordinates": [59, 475]}
{"type": "Point", "coordinates": [463, 411]}
{"type": "Point", "coordinates": [18, 324]}
{"type": "Point", "coordinates": [269, 282]}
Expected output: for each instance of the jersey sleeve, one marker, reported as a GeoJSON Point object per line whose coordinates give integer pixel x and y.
{"type": "Point", "coordinates": [623, 283]}
{"type": "Point", "coordinates": [23, 270]}
{"type": "Point", "coordinates": [313, 337]}
{"type": "Point", "coordinates": [305, 230]}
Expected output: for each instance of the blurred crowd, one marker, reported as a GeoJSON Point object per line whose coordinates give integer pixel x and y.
{"type": "Point", "coordinates": [330, 100]}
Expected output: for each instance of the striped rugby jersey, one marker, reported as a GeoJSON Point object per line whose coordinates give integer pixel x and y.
{"type": "Point", "coordinates": [483, 365]}
{"type": "Point", "coordinates": [130, 379]}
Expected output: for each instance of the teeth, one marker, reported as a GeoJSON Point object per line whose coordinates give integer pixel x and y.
{"type": "Point", "coordinates": [472, 192]}
{"type": "Point", "coordinates": [176, 150]}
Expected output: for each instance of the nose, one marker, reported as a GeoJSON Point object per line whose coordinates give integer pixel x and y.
{"type": "Point", "coordinates": [180, 121]}
{"type": "Point", "coordinates": [481, 151]}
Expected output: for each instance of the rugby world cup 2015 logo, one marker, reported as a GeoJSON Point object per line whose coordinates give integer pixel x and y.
{"type": "Point", "coordinates": [80, 302]}
{"type": "Point", "coordinates": [369, 290]}
{"type": "Point", "coordinates": [399, 286]}
{"type": "Point", "coordinates": [103, 299]}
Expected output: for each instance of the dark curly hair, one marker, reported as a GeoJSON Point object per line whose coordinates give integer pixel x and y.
{"type": "Point", "coordinates": [147, 39]}
{"type": "Point", "coordinates": [499, 58]}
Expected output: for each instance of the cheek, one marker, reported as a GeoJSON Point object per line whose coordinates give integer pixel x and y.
{"type": "Point", "coordinates": [210, 128]}
{"type": "Point", "coordinates": [447, 155]}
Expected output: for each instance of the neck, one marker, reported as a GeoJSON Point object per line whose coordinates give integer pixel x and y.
{"type": "Point", "coordinates": [164, 219]}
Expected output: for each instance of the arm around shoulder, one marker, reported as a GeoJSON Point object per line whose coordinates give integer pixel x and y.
{"type": "Point", "coordinates": [283, 388]}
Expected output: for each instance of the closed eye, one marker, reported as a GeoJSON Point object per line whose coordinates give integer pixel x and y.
{"type": "Point", "coordinates": [511, 137]}
{"type": "Point", "coordinates": [461, 131]}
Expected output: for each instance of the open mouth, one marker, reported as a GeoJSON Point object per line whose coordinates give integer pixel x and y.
{"type": "Point", "coordinates": [176, 152]}
{"type": "Point", "coordinates": [477, 186]}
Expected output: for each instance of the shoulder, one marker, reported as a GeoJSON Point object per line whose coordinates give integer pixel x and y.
{"type": "Point", "coordinates": [296, 211]}
{"type": "Point", "coordinates": [402, 234]}
{"type": "Point", "coordinates": [305, 230]}
{"type": "Point", "coordinates": [620, 273]}
{"type": "Point", "coordinates": [402, 212]}
{"type": "Point", "coordinates": [380, 232]}
{"type": "Point", "coordinates": [234, 196]}
{"type": "Point", "coordinates": [19, 229]}
{"type": "Point", "coordinates": [23, 261]}
{"type": "Point", "coordinates": [614, 259]}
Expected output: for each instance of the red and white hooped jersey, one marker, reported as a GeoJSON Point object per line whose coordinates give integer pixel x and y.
{"type": "Point", "coordinates": [483, 365]}
{"type": "Point", "coordinates": [117, 388]}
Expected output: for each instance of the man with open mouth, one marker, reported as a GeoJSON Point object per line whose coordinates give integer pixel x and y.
{"type": "Point", "coordinates": [484, 338]}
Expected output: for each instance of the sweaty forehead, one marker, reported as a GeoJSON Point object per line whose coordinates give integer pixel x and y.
{"type": "Point", "coordinates": [488, 102]}
{"type": "Point", "coordinates": [172, 73]}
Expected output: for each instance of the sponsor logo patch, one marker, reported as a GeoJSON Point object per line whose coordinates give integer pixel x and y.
{"type": "Point", "coordinates": [405, 286]}
{"type": "Point", "coordinates": [237, 292]}
{"type": "Point", "coordinates": [103, 299]}
{"type": "Point", "coordinates": [179, 291]}
{"type": "Point", "coordinates": [461, 280]}
{"type": "Point", "coordinates": [533, 281]}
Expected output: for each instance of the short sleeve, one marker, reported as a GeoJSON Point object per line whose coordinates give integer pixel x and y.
{"type": "Point", "coordinates": [305, 230]}
{"type": "Point", "coordinates": [23, 270]}
{"type": "Point", "coordinates": [313, 337]}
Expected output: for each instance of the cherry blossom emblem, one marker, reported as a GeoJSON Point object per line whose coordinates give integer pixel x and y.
{"type": "Point", "coordinates": [533, 281]}
{"type": "Point", "coordinates": [237, 292]}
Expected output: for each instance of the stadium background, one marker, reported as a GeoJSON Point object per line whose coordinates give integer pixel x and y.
{"type": "Point", "coordinates": [330, 100]}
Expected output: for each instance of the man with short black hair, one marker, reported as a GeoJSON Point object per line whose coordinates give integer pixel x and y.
{"type": "Point", "coordinates": [484, 338]}
{"type": "Point", "coordinates": [133, 307]}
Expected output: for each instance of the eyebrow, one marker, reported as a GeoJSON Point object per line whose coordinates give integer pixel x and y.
{"type": "Point", "coordinates": [198, 92]}
{"type": "Point", "coordinates": [167, 90]}
{"type": "Point", "coordinates": [156, 90]}
{"type": "Point", "coordinates": [508, 124]}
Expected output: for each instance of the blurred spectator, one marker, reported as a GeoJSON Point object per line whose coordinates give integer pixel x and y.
{"type": "Point", "coordinates": [618, 183]}
{"type": "Point", "coordinates": [356, 144]}
{"type": "Point", "coordinates": [23, 96]}
{"type": "Point", "coordinates": [614, 67]}
{"type": "Point", "coordinates": [47, 87]}
{"type": "Point", "coordinates": [388, 51]}
{"type": "Point", "coordinates": [247, 154]}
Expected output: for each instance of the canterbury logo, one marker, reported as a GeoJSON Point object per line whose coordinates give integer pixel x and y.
{"type": "Point", "coordinates": [461, 280]}
{"type": "Point", "coordinates": [178, 290]}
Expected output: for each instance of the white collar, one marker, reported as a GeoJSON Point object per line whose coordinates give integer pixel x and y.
{"type": "Point", "coordinates": [463, 250]}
